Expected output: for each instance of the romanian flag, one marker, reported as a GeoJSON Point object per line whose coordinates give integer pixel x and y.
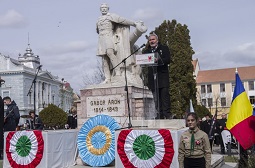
{"type": "Point", "coordinates": [241, 121]}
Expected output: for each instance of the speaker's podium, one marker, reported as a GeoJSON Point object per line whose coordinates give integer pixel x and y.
{"type": "Point", "coordinates": [150, 60]}
{"type": "Point", "coordinates": [147, 59]}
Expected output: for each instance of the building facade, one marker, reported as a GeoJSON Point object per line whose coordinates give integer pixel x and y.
{"type": "Point", "coordinates": [215, 87]}
{"type": "Point", "coordinates": [25, 78]}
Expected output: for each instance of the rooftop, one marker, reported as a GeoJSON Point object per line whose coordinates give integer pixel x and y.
{"type": "Point", "coordinates": [225, 75]}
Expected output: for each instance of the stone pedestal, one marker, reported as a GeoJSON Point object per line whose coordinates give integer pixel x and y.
{"type": "Point", "coordinates": [112, 101]}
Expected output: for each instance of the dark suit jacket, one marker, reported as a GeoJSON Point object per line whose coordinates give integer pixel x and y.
{"type": "Point", "coordinates": [162, 68]}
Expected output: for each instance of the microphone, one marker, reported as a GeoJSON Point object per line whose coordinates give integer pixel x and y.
{"type": "Point", "coordinates": [39, 67]}
{"type": "Point", "coordinates": [142, 46]}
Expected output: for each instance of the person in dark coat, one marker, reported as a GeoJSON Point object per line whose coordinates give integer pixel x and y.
{"type": "Point", "coordinates": [222, 126]}
{"type": "Point", "coordinates": [206, 127]}
{"type": "Point", "coordinates": [72, 118]}
{"type": "Point", "coordinates": [37, 125]}
{"type": "Point", "coordinates": [12, 116]}
{"type": "Point", "coordinates": [217, 133]}
{"type": "Point", "coordinates": [162, 91]}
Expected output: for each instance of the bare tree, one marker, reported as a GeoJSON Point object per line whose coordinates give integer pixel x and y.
{"type": "Point", "coordinates": [94, 78]}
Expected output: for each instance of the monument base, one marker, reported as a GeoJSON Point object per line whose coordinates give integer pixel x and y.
{"type": "Point", "coordinates": [113, 101]}
{"type": "Point", "coordinates": [173, 124]}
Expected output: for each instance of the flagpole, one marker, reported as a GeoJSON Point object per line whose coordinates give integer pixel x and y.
{"type": "Point", "coordinates": [243, 155]}
{"type": "Point", "coordinates": [240, 121]}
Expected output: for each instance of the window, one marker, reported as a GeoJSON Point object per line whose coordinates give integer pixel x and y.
{"type": "Point", "coordinates": [223, 101]}
{"type": "Point", "coordinates": [210, 102]}
{"type": "Point", "coordinates": [202, 88]}
{"type": "Point", "coordinates": [252, 99]}
{"type": "Point", "coordinates": [233, 87]}
{"type": "Point", "coordinates": [251, 85]}
{"type": "Point", "coordinates": [5, 93]}
{"type": "Point", "coordinates": [222, 87]}
{"type": "Point", "coordinates": [204, 102]}
{"type": "Point", "coordinates": [209, 88]}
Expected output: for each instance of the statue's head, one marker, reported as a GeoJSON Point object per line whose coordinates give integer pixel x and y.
{"type": "Point", "coordinates": [104, 8]}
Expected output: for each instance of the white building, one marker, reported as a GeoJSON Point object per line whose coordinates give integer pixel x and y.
{"type": "Point", "coordinates": [19, 76]}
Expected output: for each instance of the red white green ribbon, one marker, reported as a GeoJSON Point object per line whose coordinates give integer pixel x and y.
{"type": "Point", "coordinates": [24, 149]}
{"type": "Point", "coordinates": [145, 148]}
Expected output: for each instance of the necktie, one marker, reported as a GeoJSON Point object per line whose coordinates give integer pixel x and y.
{"type": "Point", "coordinates": [192, 142]}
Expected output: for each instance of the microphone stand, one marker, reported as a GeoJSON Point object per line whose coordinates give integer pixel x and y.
{"type": "Point", "coordinates": [155, 81]}
{"type": "Point", "coordinates": [126, 87]}
{"type": "Point", "coordinates": [29, 92]}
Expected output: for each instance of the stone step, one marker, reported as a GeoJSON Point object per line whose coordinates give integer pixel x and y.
{"type": "Point", "coordinates": [229, 165]}
{"type": "Point", "coordinates": [217, 161]}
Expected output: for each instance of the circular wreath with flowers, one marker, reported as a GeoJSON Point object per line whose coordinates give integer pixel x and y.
{"type": "Point", "coordinates": [96, 140]}
{"type": "Point", "coordinates": [145, 148]}
{"type": "Point", "coordinates": [24, 149]}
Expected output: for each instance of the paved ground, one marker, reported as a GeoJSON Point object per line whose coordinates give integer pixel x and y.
{"type": "Point", "coordinates": [216, 150]}
{"type": "Point", "coordinates": [234, 152]}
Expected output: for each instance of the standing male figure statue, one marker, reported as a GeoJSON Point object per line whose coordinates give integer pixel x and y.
{"type": "Point", "coordinates": [114, 41]}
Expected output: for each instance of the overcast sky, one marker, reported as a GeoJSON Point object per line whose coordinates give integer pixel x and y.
{"type": "Point", "coordinates": [63, 32]}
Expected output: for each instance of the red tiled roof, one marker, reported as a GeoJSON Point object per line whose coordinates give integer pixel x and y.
{"type": "Point", "coordinates": [225, 75]}
{"type": "Point", "coordinates": [194, 63]}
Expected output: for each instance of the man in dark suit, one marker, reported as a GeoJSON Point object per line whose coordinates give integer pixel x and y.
{"type": "Point", "coordinates": [12, 117]}
{"type": "Point", "coordinates": [160, 93]}
{"type": "Point", "coordinates": [222, 126]}
{"type": "Point", "coordinates": [206, 127]}
{"type": "Point", "coordinates": [72, 118]}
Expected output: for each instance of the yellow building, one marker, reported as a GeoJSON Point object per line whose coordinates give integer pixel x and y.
{"type": "Point", "coordinates": [215, 87]}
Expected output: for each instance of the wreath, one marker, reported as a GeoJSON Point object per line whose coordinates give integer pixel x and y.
{"type": "Point", "coordinates": [145, 148]}
{"type": "Point", "coordinates": [24, 149]}
{"type": "Point", "coordinates": [96, 140]}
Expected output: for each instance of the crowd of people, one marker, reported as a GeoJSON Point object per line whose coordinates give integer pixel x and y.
{"type": "Point", "coordinates": [196, 143]}
{"type": "Point", "coordinates": [213, 128]}
{"type": "Point", "coordinates": [32, 120]}
{"type": "Point", "coordinates": [12, 117]}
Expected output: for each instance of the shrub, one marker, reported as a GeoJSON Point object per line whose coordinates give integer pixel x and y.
{"type": "Point", "coordinates": [251, 161]}
{"type": "Point", "coordinates": [53, 117]}
{"type": "Point", "coordinates": [247, 159]}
